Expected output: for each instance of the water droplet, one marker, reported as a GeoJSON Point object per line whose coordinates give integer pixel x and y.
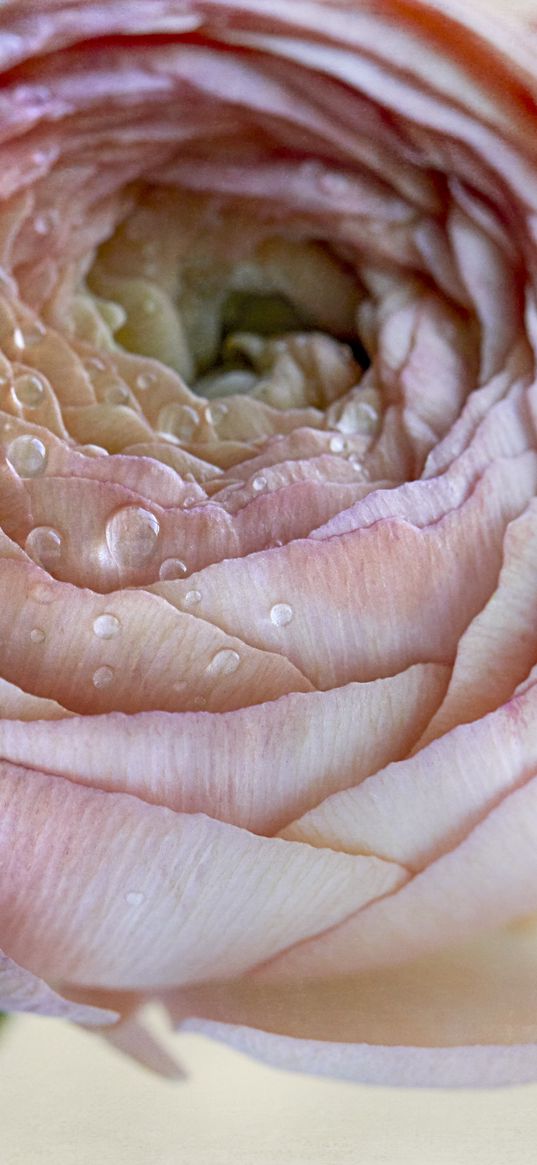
{"type": "Point", "coordinates": [354, 460]}
{"type": "Point", "coordinates": [28, 337]}
{"type": "Point", "coordinates": [259, 483]}
{"type": "Point", "coordinates": [102, 677]}
{"type": "Point", "coordinates": [44, 545]}
{"type": "Point", "coordinates": [172, 568]}
{"type": "Point", "coordinates": [37, 635]}
{"type": "Point", "coordinates": [44, 222]}
{"type": "Point", "coordinates": [281, 614]}
{"type": "Point", "coordinates": [337, 444]}
{"type": "Point", "coordinates": [218, 410]}
{"type": "Point", "coordinates": [131, 535]}
{"type": "Point", "coordinates": [106, 626]}
{"type": "Point", "coordinates": [145, 380]}
{"type": "Point", "coordinates": [191, 598]}
{"type": "Point", "coordinates": [41, 593]}
{"type": "Point", "coordinates": [180, 420]}
{"type": "Point", "coordinates": [199, 702]}
{"type": "Point", "coordinates": [93, 364]}
{"type": "Point", "coordinates": [134, 897]}
{"type": "Point", "coordinates": [224, 663]}
{"type": "Point", "coordinates": [29, 390]}
{"type": "Point", "coordinates": [116, 394]}
{"type": "Point", "coordinates": [28, 456]}
{"type": "Point", "coordinates": [93, 450]}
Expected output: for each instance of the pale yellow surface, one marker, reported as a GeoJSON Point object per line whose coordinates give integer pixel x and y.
{"type": "Point", "coordinates": [67, 1099]}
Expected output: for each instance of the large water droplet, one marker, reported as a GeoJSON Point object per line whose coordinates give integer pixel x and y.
{"type": "Point", "coordinates": [29, 390]}
{"type": "Point", "coordinates": [106, 626]}
{"type": "Point", "coordinates": [28, 456]}
{"type": "Point", "coordinates": [337, 444]}
{"type": "Point", "coordinates": [116, 394]}
{"type": "Point", "coordinates": [259, 483]}
{"type": "Point", "coordinates": [37, 635]}
{"type": "Point", "coordinates": [102, 677]}
{"type": "Point", "coordinates": [44, 545]}
{"type": "Point", "coordinates": [281, 614]}
{"type": "Point", "coordinates": [131, 535]}
{"type": "Point", "coordinates": [172, 568]}
{"type": "Point", "coordinates": [224, 663]}
{"type": "Point", "coordinates": [179, 420]}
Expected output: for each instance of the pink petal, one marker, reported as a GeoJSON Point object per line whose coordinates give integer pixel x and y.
{"type": "Point", "coordinates": [262, 779]}
{"type": "Point", "coordinates": [103, 890]}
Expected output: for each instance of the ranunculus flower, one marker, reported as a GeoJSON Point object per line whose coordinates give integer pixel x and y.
{"type": "Point", "coordinates": [268, 573]}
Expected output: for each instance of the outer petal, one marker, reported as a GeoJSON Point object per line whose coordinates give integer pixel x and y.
{"type": "Point", "coordinates": [20, 990]}
{"type": "Point", "coordinates": [103, 890]}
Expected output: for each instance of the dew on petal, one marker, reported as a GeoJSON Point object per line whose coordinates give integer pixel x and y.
{"type": "Point", "coordinates": [134, 897]}
{"type": "Point", "coordinates": [179, 420]}
{"type": "Point", "coordinates": [281, 614]}
{"type": "Point", "coordinates": [192, 598]}
{"type": "Point", "coordinates": [259, 483]}
{"type": "Point", "coordinates": [44, 545]}
{"type": "Point", "coordinates": [93, 450]}
{"type": "Point", "coordinates": [224, 663]}
{"type": "Point", "coordinates": [28, 456]}
{"type": "Point", "coordinates": [131, 535]}
{"type": "Point", "coordinates": [41, 593]}
{"type": "Point", "coordinates": [103, 677]}
{"type": "Point", "coordinates": [116, 394]}
{"type": "Point", "coordinates": [337, 444]}
{"type": "Point", "coordinates": [37, 635]}
{"type": "Point", "coordinates": [29, 390]}
{"type": "Point", "coordinates": [44, 222]}
{"type": "Point", "coordinates": [145, 380]}
{"type": "Point", "coordinates": [172, 568]}
{"type": "Point", "coordinates": [106, 626]}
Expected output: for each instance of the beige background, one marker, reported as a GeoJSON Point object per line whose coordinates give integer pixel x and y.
{"type": "Point", "coordinates": [68, 1099]}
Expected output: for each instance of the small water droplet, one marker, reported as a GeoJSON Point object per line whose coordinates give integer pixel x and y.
{"type": "Point", "coordinates": [44, 545]}
{"type": "Point", "coordinates": [94, 364]}
{"type": "Point", "coordinates": [172, 568]}
{"type": "Point", "coordinates": [29, 336]}
{"type": "Point", "coordinates": [199, 702]}
{"type": "Point", "coordinates": [93, 450]}
{"type": "Point", "coordinates": [28, 456]}
{"type": "Point", "coordinates": [337, 444]}
{"type": "Point", "coordinates": [134, 897]}
{"type": "Point", "coordinates": [41, 593]}
{"type": "Point", "coordinates": [37, 635]}
{"type": "Point", "coordinates": [102, 677]}
{"type": "Point", "coordinates": [354, 460]}
{"type": "Point", "coordinates": [106, 626]}
{"type": "Point", "coordinates": [116, 394]}
{"type": "Point", "coordinates": [44, 222]}
{"type": "Point", "coordinates": [259, 483]}
{"type": "Point", "coordinates": [218, 410]}
{"type": "Point", "coordinates": [29, 390]}
{"type": "Point", "coordinates": [281, 614]}
{"type": "Point", "coordinates": [191, 598]}
{"type": "Point", "coordinates": [179, 420]}
{"type": "Point", "coordinates": [224, 663]}
{"type": "Point", "coordinates": [145, 380]}
{"type": "Point", "coordinates": [131, 535]}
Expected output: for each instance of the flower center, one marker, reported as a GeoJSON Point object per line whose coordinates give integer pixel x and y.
{"type": "Point", "coordinates": [228, 304]}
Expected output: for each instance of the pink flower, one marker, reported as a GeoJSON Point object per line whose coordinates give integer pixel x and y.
{"type": "Point", "coordinates": [268, 546]}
